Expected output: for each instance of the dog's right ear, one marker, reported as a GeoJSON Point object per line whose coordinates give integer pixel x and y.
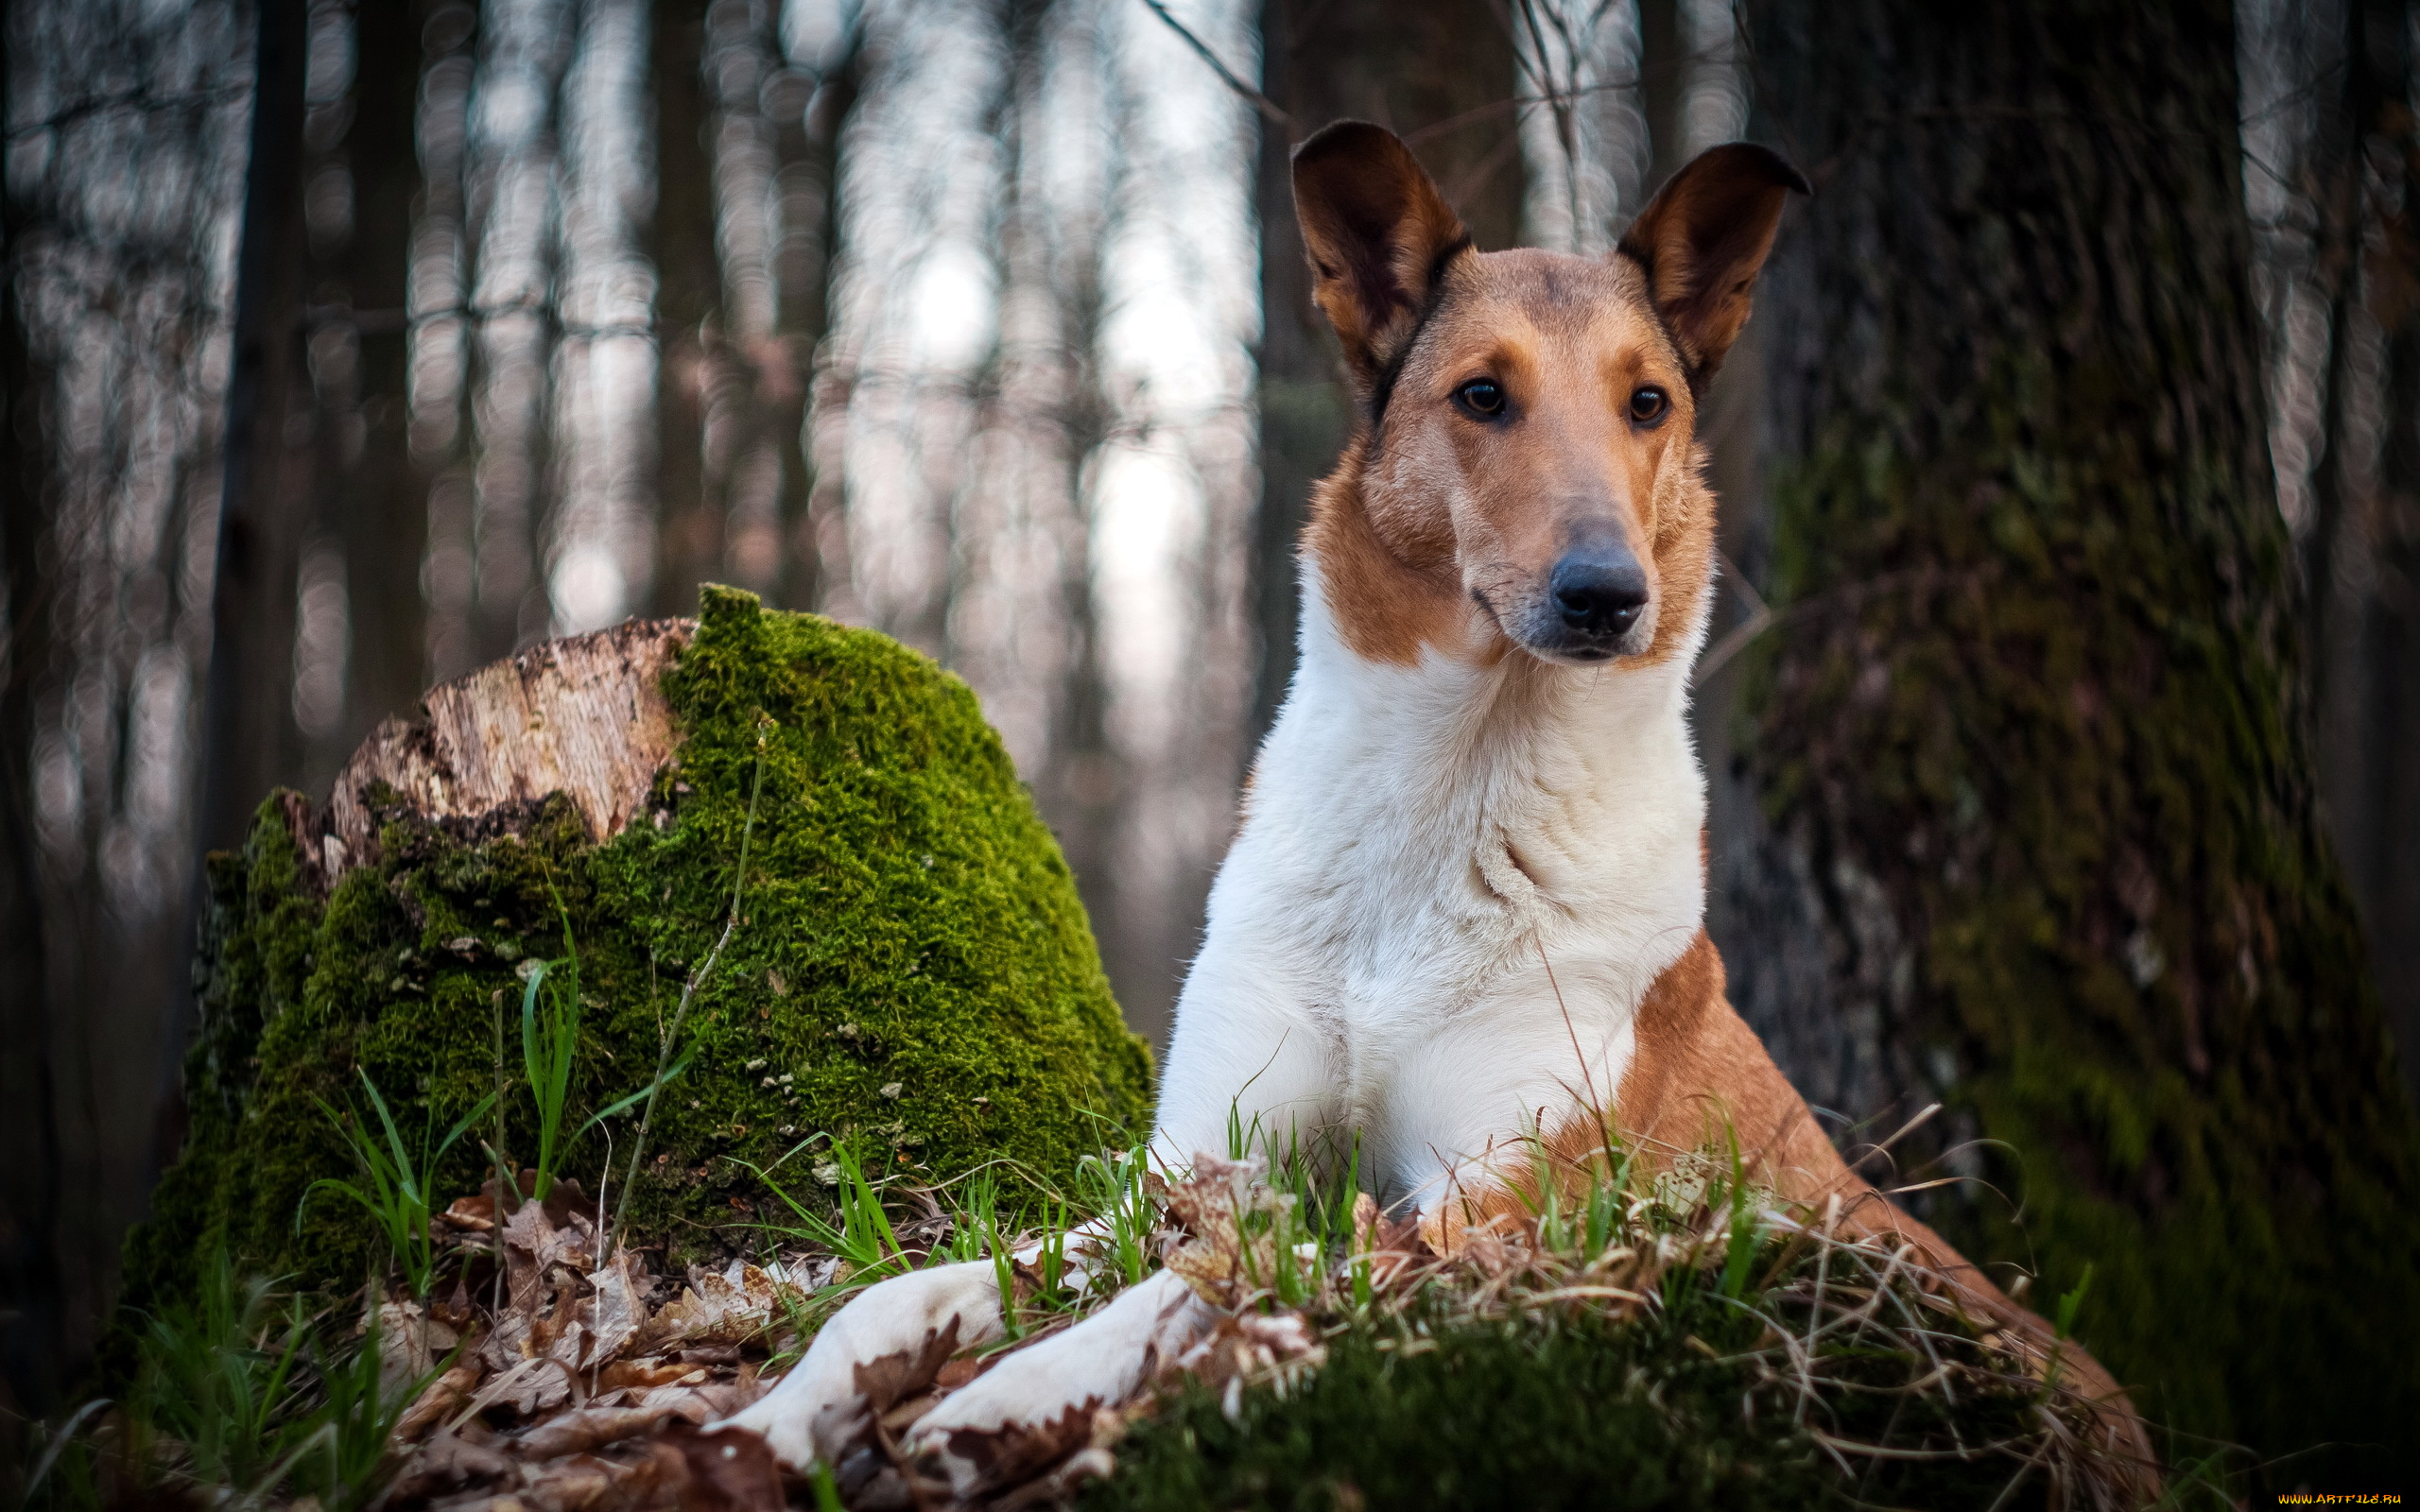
{"type": "Point", "coordinates": [1702, 240]}
{"type": "Point", "coordinates": [1379, 236]}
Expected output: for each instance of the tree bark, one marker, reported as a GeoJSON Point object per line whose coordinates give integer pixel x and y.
{"type": "Point", "coordinates": [381, 500]}
{"type": "Point", "coordinates": [1440, 72]}
{"type": "Point", "coordinates": [32, 1300]}
{"type": "Point", "coordinates": [2386, 826]}
{"type": "Point", "coordinates": [584, 716]}
{"type": "Point", "coordinates": [2038, 830]}
{"type": "Point", "coordinates": [688, 296]}
{"type": "Point", "coordinates": [820, 555]}
{"type": "Point", "coordinates": [2362, 552]}
{"type": "Point", "coordinates": [1663, 79]}
{"type": "Point", "coordinates": [809, 147]}
{"type": "Point", "coordinates": [250, 743]}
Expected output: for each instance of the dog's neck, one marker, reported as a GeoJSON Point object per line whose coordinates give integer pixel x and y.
{"type": "Point", "coordinates": [1489, 806]}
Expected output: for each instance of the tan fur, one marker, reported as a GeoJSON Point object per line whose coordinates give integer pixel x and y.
{"type": "Point", "coordinates": [1432, 527]}
{"type": "Point", "coordinates": [1699, 1064]}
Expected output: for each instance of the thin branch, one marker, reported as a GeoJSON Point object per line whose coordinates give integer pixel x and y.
{"type": "Point", "coordinates": [135, 101]}
{"type": "Point", "coordinates": [1738, 581]}
{"type": "Point", "coordinates": [1735, 641]}
{"type": "Point", "coordinates": [1509, 104]}
{"type": "Point", "coordinates": [1226, 75]}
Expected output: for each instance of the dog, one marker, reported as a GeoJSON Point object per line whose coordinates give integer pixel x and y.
{"type": "Point", "coordinates": [1464, 913]}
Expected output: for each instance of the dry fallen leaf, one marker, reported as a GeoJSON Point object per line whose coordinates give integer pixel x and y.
{"type": "Point", "coordinates": [439, 1400]}
{"type": "Point", "coordinates": [730, 1469]}
{"type": "Point", "coordinates": [587, 1428]}
{"type": "Point", "coordinates": [410, 1344]}
{"type": "Point", "coordinates": [730, 1308]}
{"type": "Point", "coordinates": [615, 1314]}
{"type": "Point", "coordinates": [1015, 1453]}
{"type": "Point", "coordinates": [471, 1214]}
{"type": "Point", "coordinates": [642, 1375]}
{"type": "Point", "coordinates": [893, 1377]}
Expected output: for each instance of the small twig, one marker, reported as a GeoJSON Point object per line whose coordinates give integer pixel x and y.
{"type": "Point", "coordinates": [1226, 75]}
{"type": "Point", "coordinates": [689, 994]}
{"type": "Point", "coordinates": [1880, 1452]}
{"type": "Point", "coordinates": [504, 1181]}
{"type": "Point", "coordinates": [604, 1189]}
{"type": "Point", "coordinates": [1587, 1078]}
{"type": "Point", "coordinates": [1739, 584]}
{"type": "Point", "coordinates": [1905, 1129]}
{"type": "Point", "coordinates": [1825, 1238]}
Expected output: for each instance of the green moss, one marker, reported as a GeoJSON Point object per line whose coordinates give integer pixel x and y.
{"type": "Point", "coordinates": [911, 966]}
{"type": "Point", "coordinates": [1551, 1409]}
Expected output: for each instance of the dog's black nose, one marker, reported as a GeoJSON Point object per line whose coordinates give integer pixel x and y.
{"type": "Point", "coordinates": [1598, 594]}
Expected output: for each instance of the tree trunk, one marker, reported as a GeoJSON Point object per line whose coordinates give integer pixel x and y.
{"type": "Point", "coordinates": [1663, 79]}
{"type": "Point", "coordinates": [249, 740]}
{"type": "Point", "coordinates": [2386, 825]}
{"type": "Point", "coordinates": [2363, 549]}
{"type": "Point", "coordinates": [2042, 836]}
{"type": "Point", "coordinates": [1441, 73]}
{"type": "Point", "coordinates": [382, 499]}
{"type": "Point", "coordinates": [688, 295]}
{"type": "Point", "coordinates": [819, 559]}
{"type": "Point", "coordinates": [808, 142]}
{"type": "Point", "coordinates": [32, 1301]}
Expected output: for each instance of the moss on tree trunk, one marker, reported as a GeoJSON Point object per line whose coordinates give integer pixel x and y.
{"type": "Point", "coordinates": [2028, 732]}
{"type": "Point", "coordinates": [910, 965]}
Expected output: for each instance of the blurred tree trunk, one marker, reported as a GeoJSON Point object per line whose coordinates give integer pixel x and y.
{"type": "Point", "coordinates": [2362, 555]}
{"type": "Point", "coordinates": [688, 300]}
{"type": "Point", "coordinates": [1407, 64]}
{"type": "Point", "coordinates": [251, 743]}
{"type": "Point", "coordinates": [380, 500]}
{"type": "Point", "coordinates": [2043, 837]}
{"type": "Point", "coordinates": [32, 1301]}
{"type": "Point", "coordinates": [819, 564]}
{"type": "Point", "coordinates": [809, 148]}
{"type": "Point", "coordinates": [1662, 79]}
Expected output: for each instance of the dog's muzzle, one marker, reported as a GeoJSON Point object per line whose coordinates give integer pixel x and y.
{"type": "Point", "coordinates": [1594, 605]}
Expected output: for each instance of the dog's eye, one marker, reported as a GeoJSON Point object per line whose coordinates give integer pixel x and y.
{"type": "Point", "coordinates": [1648, 404]}
{"type": "Point", "coordinates": [1481, 397]}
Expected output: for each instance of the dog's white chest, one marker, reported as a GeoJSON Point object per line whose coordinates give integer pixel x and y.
{"type": "Point", "coordinates": [1453, 888]}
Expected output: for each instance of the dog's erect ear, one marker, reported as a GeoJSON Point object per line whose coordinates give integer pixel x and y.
{"type": "Point", "coordinates": [1703, 241]}
{"type": "Point", "coordinates": [1379, 237]}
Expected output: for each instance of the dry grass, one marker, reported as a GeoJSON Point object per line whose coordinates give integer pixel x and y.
{"type": "Point", "coordinates": [1667, 1337]}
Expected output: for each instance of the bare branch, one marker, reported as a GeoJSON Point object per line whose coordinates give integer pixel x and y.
{"type": "Point", "coordinates": [133, 101]}
{"type": "Point", "coordinates": [1261, 102]}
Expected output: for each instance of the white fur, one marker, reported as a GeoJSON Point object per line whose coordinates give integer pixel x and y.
{"type": "Point", "coordinates": [1454, 884]}
{"type": "Point", "coordinates": [1099, 1362]}
{"type": "Point", "coordinates": [819, 1399]}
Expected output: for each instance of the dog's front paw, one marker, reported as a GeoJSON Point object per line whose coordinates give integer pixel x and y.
{"type": "Point", "coordinates": [1036, 1405]}
{"type": "Point", "coordinates": [885, 1344]}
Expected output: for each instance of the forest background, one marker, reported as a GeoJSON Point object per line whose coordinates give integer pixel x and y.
{"type": "Point", "coordinates": [350, 345]}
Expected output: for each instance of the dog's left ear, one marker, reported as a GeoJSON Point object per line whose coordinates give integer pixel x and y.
{"type": "Point", "coordinates": [1379, 236]}
{"type": "Point", "coordinates": [1703, 241]}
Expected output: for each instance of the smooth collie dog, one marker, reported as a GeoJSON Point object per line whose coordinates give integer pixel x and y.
{"type": "Point", "coordinates": [1464, 911]}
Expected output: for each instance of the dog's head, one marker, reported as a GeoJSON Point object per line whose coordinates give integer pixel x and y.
{"type": "Point", "coordinates": [1525, 473]}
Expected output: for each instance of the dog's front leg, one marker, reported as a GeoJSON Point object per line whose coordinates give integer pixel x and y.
{"type": "Point", "coordinates": [924, 1315]}
{"type": "Point", "coordinates": [1037, 1404]}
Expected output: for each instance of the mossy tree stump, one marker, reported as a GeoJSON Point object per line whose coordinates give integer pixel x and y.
{"type": "Point", "coordinates": [910, 968]}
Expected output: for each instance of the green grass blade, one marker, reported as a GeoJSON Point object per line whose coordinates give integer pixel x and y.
{"type": "Point", "coordinates": [624, 1103]}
